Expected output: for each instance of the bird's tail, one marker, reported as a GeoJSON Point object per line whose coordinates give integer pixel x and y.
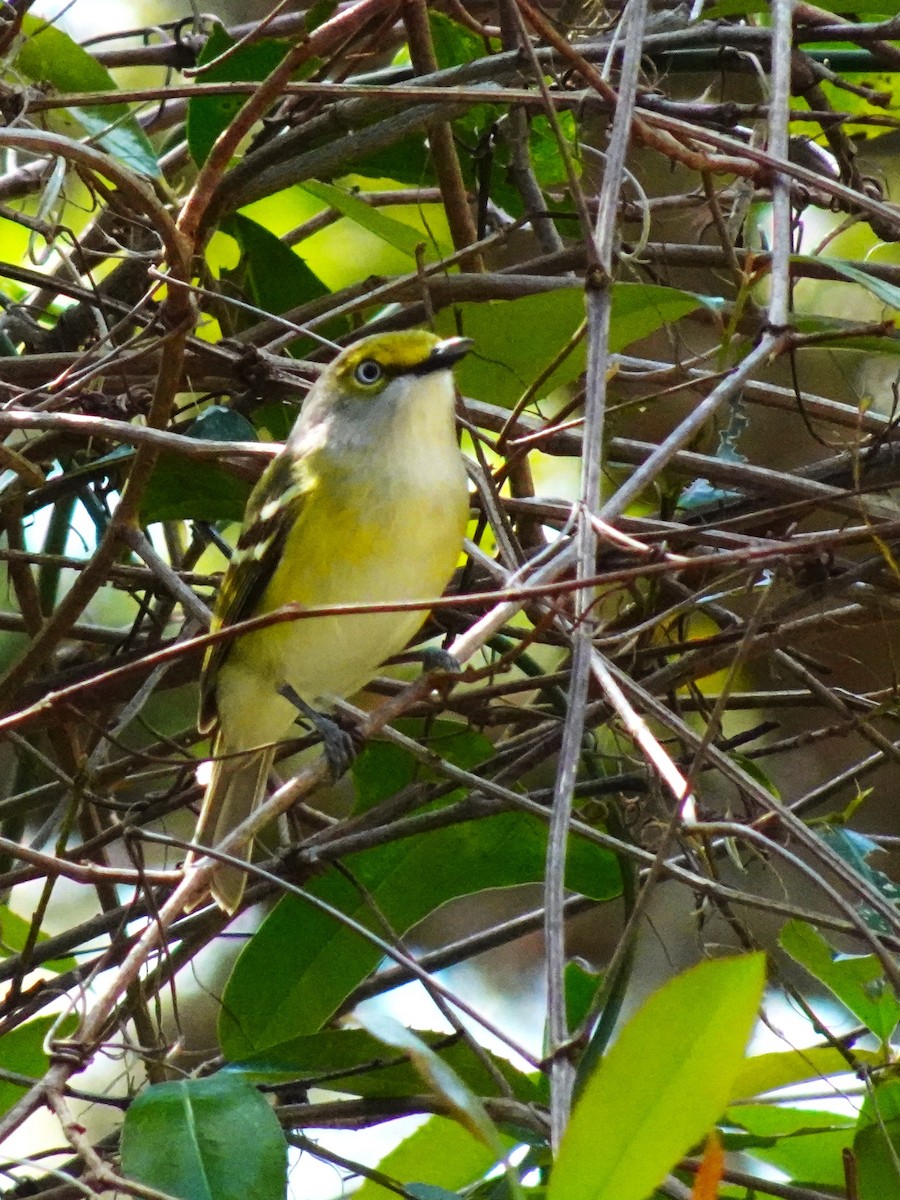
{"type": "Point", "coordinates": [237, 785]}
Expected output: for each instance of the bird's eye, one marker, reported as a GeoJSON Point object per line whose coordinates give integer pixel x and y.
{"type": "Point", "coordinates": [368, 372]}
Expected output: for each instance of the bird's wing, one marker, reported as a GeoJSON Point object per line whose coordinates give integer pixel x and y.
{"type": "Point", "coordinates": [274, 505]}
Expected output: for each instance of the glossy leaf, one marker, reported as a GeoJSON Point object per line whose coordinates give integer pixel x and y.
{"type": "Point", "coordinates": [663, 1084]}
{"type": "Point", "coordinates": [857, 980]}
{"type": "Point", "coordinates": [301, 964]}
{"type": "Point", "coordinates": [202, 1138]}
{"type": "Point", "coordinates": [220, 424]}
{"type": "Point", "coordinates": [51, 58]}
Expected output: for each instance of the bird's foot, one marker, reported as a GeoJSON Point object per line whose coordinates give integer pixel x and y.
{"type": "Point", "coordinates": [436, 661]}
{"type": "Point", "coordinates": [341, 745]}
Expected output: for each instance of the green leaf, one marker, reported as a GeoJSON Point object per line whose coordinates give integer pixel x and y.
{"type": "Point", "coordinates": [427, 1191]}
{"type": "Point", "coordinates": [544, 152]}
{"type": "Point", "coordinates": [876, 1145]}
{"type": "Point", "coordinates": [857, 980]}
{"type": "Point", "coordinates": [767, 1072]}
{"type": "Point", "coordinates": [582, 985]}
{"type": "Point", "coordinates": [807, 1146]}
{"type": "Point", "coordinates": [317, 14]}
{"type": "Point", "coordinates": [183, 488]}
{"type": "Point", "coordinates": [352, 1061]}
{"type": "Point", "coordinates": [440, 1078]}
{"type": "Point", "coordinates": [453, 43]}
{"type": "Point", "coordinates": [203, 1138]}
{"type": "Point", "coordinates": [14, 931]}
{"type": "Point", "coordinates": [301, 964]}
{"type": "Point", "coordinates": [395, 233]}
{"type": "Point", "coordinates": [48, 56]}
{"type": "Point", "coordinates": [855, 849]}
{"type": "Point", "coordinates": [515, 340]}
{"type": "Point", "coordinates": [844, 335]}
{"type": "Point", "coordinates": [220, 424]}
{"type": "Point", "coordinates": [383, 768]}
{"type": "Point", "coordinates": [663, 1084]}
{"type": "Point", "coordinates": [274, 277]}
{"type": "Point", "coordinates": [744, 8]}
{"type": "Point", "coordinates": [407, 162]}
{"type": "Point", "coordinates": [440, 1152]}
{"type": "Point", "coordinates": [277, 420]}
{"type": "Point", "coordinates": [887, 293]}
{"type": "Point", "coordinates": [208, 116]}
{"type": "Point", "coordinates": [22, 1051]}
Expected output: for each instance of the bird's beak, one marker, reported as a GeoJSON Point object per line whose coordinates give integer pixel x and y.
{"type": "Point", "coordinates": [447, 353]}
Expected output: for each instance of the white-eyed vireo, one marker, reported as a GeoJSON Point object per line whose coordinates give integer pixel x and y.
{"type": "Point", "coordinates": [367, 503]}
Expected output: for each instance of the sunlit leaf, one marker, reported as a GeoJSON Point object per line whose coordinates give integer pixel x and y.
{"type": "Point", "coordinates": [663, 1084]}
{"type": "Point", "coordinates": [807, 1145]}
{"type": "Point", "coordinates": [767, 1072]}
{"type": "Point", "coordinates": [888, 293]}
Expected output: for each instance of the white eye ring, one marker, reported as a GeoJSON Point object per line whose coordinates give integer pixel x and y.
{"type": "Point", "coordinates": [368, 372]}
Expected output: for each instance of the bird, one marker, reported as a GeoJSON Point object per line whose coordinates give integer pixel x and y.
{"type": "Point", "coordinates": [368, 502]}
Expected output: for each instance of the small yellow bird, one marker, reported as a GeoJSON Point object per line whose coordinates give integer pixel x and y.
{"type": "Point", "coordinates": [367, 503]}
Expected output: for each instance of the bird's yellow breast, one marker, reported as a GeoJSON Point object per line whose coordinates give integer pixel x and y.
{"type": "Point", "coordinates": [370, 532]}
